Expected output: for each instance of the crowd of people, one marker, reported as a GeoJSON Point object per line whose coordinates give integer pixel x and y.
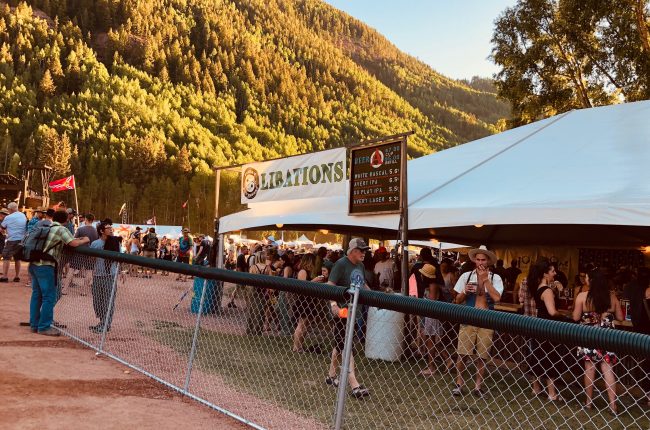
{"type": "Point", "coordinates": [57, 227]}
{"type": "Point", "coordinates": [478, 280]}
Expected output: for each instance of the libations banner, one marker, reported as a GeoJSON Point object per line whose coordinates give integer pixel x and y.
{"type": "Point", "coordinates": [321, 174]}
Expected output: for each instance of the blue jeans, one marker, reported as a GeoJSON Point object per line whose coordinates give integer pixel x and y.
{"type": "Point", "coordinates": [41, 307]}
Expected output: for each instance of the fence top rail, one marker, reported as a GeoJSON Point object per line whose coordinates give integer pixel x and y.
{"type": "Point", "coordinates": [560, 332]}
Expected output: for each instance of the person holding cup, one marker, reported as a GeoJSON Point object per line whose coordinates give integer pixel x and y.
{"type": "Point", "coordinates": [481, 289]}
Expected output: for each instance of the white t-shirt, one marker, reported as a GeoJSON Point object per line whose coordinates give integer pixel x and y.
{"type": "Point", "coordinates": [16, 225]}
{"type": "Point", "coordinates": [497, 282]}
{"type": "Point", "coordinates": [385, 271]}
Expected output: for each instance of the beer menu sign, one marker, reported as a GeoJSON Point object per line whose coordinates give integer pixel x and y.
{"type": "Point", "coordinates": [375, 178]}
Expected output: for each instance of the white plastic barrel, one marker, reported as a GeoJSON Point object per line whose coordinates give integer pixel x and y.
{"type": "Point", "coordinates": [384, 334]}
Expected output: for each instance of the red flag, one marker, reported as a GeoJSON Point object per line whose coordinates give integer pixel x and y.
{"type": "Point", "coordinates": [185, 204]}
{"type": "Point", "coordinates": [64, 184]}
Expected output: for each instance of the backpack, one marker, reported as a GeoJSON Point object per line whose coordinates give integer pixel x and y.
{"type": "Point", "coordinates": [33, 246]}
{"type": "Point", "coordinates": [152, 242]}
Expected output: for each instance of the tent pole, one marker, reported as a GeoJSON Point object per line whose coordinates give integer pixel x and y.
{"type": "Point", "coordinates": [405, 219]}
{"type": "Point", "coordinates": [218, 244]}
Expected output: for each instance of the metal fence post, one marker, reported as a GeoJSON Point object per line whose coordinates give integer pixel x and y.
{"type": "Point", "coordinates": [350, 328]}
{"type": "Point", "coordinates": [108, 315]}
{"type": "Point", "coordinates": [195, 338]}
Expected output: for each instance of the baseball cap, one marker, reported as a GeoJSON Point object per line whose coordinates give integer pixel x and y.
{"type": "Point", "coordinates": [186, 230]}
{"type": "Point", "coordinates": [357, 243]}
{"type": "Point", "coordinates": [71, 211]}
{"type": "Point", "coordinates": [138, 228]}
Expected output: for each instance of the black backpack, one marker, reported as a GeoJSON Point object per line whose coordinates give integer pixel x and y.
{"type": "Point", "coordinates": [152, 242]}
{"type": "Point", "coordinates": [33, 246]}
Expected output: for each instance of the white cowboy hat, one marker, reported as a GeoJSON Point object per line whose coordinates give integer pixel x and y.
{"type": "Point", "coordinates": [483, 250]}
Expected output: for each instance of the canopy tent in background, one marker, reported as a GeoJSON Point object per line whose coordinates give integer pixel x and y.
{"type": "Point", "coordinates": [431, 244]}
{"type": "Point", "coordinates": [324, 213]}
{"type": "Point", "coordinates": [580, 178]}
{"type": "Point", "coordinates": [169, 231]}
{"type": "Point", "coordinates": [303, 241]}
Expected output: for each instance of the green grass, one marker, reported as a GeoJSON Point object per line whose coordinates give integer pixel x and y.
{"type": "Point", "coordinates": [265, 367]}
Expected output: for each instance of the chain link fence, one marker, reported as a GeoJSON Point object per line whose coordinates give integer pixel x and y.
{"type": "Point", "coordinates": [257, 349]}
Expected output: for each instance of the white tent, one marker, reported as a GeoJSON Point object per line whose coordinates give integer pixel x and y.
{"type": "Point", "coordinates": [304, 241]}
{"type": "Point", "coordinates": [574, 171]}
{"type": "Point", "coordinates": [326, 213]}
{"type": "Point", "coordinates": [579, 178]}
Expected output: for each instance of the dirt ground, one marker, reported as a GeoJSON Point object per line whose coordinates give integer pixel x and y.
{"type": "Point", "coordinates": [54, 383]}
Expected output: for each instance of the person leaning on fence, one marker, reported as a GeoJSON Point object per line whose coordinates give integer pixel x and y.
{"type": "Point", "coordinates": [184, 248]}
{"type": "Point", "coordinates": [545, 360]}
{"type": "Point", "coordinates": [432, 330]}
{"type": "Point", "coordinates": [345, 272]}
{"type": "Point", "coordinates": [44, 276]}
{"type": "Point", "coordinates": [598, 308]}
{"type": "Point", "coordinates": [638, 293]}
{"type": "Point", "coordinates": [104, 276]}
{"type": "Point", "coordinates": [256, 298]}
{"type": "Point", "coordinates": [81, 263]}
{"type": "Point", "coordinates": [480, 289]}
{"type": "Point", "coordinates": [305, 307]}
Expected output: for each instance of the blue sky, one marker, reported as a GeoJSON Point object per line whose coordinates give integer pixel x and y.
{"type": "Point", "coordinates": [451, 36]}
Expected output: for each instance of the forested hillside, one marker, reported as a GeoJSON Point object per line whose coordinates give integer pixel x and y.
{"type": "Point", "coordinates": [142, 99]}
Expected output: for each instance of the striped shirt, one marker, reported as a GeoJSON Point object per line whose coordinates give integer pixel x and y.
{"type": "Point", "coordinates": [59, 236]}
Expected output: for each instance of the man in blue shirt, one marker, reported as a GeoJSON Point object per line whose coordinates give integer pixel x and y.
{"type": "Point", "coordinates": [16, 226]}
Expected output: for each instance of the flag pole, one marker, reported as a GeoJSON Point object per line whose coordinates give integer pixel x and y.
{"type": "Point", "coordinates": [76, 202]}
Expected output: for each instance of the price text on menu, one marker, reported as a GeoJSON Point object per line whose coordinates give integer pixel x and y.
{"type": "Point", "coordinates": [375, 179]}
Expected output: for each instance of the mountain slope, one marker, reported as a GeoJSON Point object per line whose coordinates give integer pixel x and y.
{"type": "Point", "coordinates": [153, 94]}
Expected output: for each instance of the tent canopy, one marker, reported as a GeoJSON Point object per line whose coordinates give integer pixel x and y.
{"type": "Point", "coordinates": [580, 178]}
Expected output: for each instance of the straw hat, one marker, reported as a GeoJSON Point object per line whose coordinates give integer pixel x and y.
{"type": "Point", "coordinates": [428, 270]}
{"type": "Point", "coordinates": [483, 250]}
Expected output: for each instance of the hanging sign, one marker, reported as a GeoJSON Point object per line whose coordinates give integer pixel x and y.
{"type": "Point", "coordinates": [375, 178]}
{"type": "Point", "coordinates": [321, 174]}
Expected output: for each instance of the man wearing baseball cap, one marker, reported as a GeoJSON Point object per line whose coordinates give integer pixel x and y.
{"type": "Point", "coordinates": [480, 289]}
{"type": "Point", "coordinates": [346, 271]}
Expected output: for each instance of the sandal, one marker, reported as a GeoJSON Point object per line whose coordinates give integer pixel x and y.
{"type": "Point", "coordinates": [332, 380]}
{"type": "Point", "coordinates": [4, 279]}
{"type": "Point", "coordinates": [16, 279]}
{"type": "Point", "coordinates": [360, 392]}
{"type": "Point", "coordinates": [557, 398]}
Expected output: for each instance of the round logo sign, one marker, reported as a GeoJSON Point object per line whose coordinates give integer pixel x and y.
{"type": "Point", "coordinates": [250, 183]}
{"type": "Point", "coordinates": [377, 159]}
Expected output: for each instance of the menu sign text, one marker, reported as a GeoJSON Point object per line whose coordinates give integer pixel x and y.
{"type": "Point", "coordinates": [375, 179]}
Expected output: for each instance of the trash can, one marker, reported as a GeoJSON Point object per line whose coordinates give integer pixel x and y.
{"type": "Point", "coordinates": [212, 302]}
{"type": "Point", "coordinates": [384, 334]}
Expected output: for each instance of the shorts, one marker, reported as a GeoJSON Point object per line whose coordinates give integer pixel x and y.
{"type": "Point", "coordinates": [149, 254]}
{"type": "Point", "coordinates": [184, 259]}
{"type": "Point", "coordinates": [432, 327]}
{"type": "Point", "coordinates": [10, 249]}
{"type": "Point", "coordinates": [339, 333]}
{"type": "Point", "coordinates": [472, 338]}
